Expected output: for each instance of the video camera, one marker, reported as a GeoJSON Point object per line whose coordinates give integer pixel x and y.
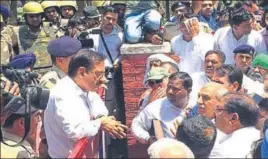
{"type": "Point", "coordinates": [83, 37]}
{"type": "Point", "coordinates": [31, 93]}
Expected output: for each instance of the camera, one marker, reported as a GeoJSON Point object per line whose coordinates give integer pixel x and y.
{"type": "Point", "coordinates": [31, 93]}
{"type": "Point", "coordinates": [83, 37]}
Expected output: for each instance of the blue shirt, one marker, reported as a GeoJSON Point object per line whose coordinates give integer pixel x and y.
{"type": "Point", "coordinates": [212, 20]}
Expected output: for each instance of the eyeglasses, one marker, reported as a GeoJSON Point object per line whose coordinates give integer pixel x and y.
{"type": "Point", "coordinates": [153, 82]}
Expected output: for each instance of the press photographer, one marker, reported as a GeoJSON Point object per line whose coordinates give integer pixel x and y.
{"type": "Point", "coordinates": [21, 113]}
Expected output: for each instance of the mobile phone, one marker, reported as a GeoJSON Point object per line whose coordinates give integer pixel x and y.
{"type": "Point", "coordinates": [257, 98]}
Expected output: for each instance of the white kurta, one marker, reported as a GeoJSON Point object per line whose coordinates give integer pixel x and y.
{"type": "Point", "coordinates": [160, 109]}
{"type": "Point", "coordinates": [227, 43]}
{"type": "Point", "coordinates": [237, 144]}
{"type": "Point", "coordinates": [192, 54]}
{"type": "Point", "coordinates": [252, 86]}
{"type": "Point", "coordinates": [69, 117]}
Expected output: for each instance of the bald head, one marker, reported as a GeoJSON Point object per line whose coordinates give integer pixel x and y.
{"type": "Point", "coordinates": [208, 98]}
{"type": "Point", "coordinates": [169, 148]}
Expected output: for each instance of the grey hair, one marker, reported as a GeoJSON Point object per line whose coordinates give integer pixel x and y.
{"type": "Point", "coordinates": [167, 145]}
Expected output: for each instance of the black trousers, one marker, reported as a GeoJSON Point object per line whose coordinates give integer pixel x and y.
{"type": "Point", "coordinates": [114, 100]}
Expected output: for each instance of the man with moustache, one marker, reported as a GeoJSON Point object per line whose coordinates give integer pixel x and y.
{"type": "Point", "coordinates": [71, 112]}
{"type": "Point", "coordinates": [213, 59]}
{"type": "Point", "coordinates": [166, 110]}
{"type": "Point", "coordinates": [243, 56]}
{"type": "Point", "coordinates": [52, 17]}
{"type": "Point", "coordinates": [260, 67]}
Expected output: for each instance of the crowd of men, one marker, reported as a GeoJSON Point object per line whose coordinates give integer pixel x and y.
{"type": "Point", "coordinates": [211, 102]}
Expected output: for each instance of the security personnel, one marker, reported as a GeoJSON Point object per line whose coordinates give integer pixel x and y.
{"type": "Point", "coordinates": [100, 4]}
{"type": "Point", "coordinates": [33, 37]}
{"type": "Point", "coordinates": [6, 47]}
{"type": "Point", "coordinates": [12, 132]}
{"type": "Point", "coordinates": [92, 17]}
{"type": "Point", "coordinates": [243, 56]}
{"type": "Point", "coordinates": [52, 18]}
{"type": "Point", "coordinates": [61, 51]}
{"type": "Point", "coordinates": [68, 9]}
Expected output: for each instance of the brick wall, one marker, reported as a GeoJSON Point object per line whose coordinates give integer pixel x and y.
{"type": "Point", "coordinates": [133, 68]}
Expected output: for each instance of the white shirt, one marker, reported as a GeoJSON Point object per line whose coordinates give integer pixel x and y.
{"type": "Point", "coordinates": [192, 54]}
{"type": "Point", "coordinates": [252, 86]}
{"type": "Point", "coordinates": [227, 43]}
{"type": "Point", "coordinates": [114, 41]}
{"type": "Point", "coordinates": [161, 110]}
{"type": "Point", "coordinates": [68, 117]}
{"type": "Point", "coordinates": [237, 144]}
{"type": "Point", "coordinates": [199, 80]}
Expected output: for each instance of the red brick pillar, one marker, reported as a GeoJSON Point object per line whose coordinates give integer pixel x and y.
{"type": "Point", "coordinates": [133, 66]}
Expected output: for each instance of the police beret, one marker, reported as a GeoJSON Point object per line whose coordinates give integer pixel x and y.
{"type": "Point", "coordinates": [64, 47]}
{"type": "Point", "coordinates": [245, 49]}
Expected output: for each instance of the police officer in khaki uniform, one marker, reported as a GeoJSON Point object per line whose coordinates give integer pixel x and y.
{"type": "Point", "coordinates": [13, 131]}
{"type": "Point", "coordinates": [52, 18]}
{"type": "Point", "coordinates": [33, 37]}
{"type": "Point", "coordinates": [6, 48]}
{"type": "Point", "coordinates": [61, 51]}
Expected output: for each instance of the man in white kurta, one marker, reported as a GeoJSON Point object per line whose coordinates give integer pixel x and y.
{"type": "Point", "coordinates": [191, 47]}
{"type": "Point", "coordinates": [236, 116]}
{"type": "Point", "coordinates": [239, 33]}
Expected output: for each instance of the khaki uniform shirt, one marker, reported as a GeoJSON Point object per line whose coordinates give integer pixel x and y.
{"type": "Point", "coordinates": [50, 79]}
{"type": "Point", "coordinates": [6, 45]}
{"type": "Point", "coordinates": [23, 151]}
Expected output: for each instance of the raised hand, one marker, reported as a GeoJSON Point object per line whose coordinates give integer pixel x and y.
{"type": "Point", "coordinates": [193, 27]}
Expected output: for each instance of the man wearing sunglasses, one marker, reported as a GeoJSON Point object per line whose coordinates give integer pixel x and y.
{"type": "Point", "coordinates": [237, 116]}
{"type": "Point", "coordinates": [157, 81]}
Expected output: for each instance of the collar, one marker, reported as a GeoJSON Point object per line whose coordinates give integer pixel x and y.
{"type": "Point", "coordinates": [16, 139]}
{"type": "Point", "coordinates": [75, 88]}
{"type": "Point", "coordinates": [170, 105]}
{"type": "Point", "coordinates": [114, 32]}
{"type": "Point", "coordinates": [59, 71]}
{"type": "Point", "coordinates": [231, 34]}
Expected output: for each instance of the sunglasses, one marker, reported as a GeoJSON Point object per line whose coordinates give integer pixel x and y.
{"type": "Point", "coordinates": [154, 82]}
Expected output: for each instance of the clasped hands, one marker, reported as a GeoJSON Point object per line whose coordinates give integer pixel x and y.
{"type": "Point", "coordinates": [113, 128]}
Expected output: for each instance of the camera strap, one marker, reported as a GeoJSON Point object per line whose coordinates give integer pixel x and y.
{"type": "Point", "coordinates": [27, 122]}
{"type": "Point", "coordinates": [106, 48]}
